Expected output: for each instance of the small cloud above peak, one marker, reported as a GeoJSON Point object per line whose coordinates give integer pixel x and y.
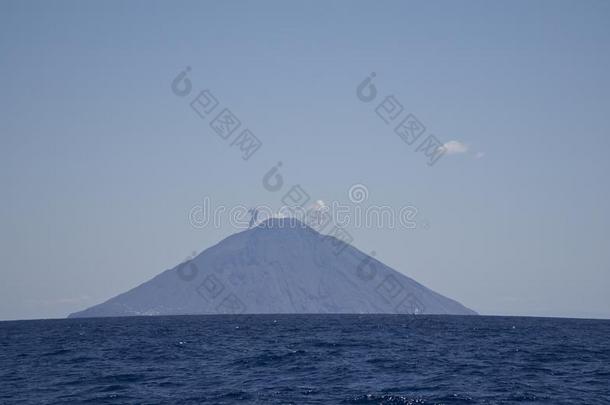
{"type": "Point", "coordinates": [455, 147]}
{"type": "Point", "coordinates": [318, 205]}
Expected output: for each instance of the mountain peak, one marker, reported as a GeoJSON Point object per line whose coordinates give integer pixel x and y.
{"type": "Point", "coordinates": [283, 223]}
{"type": "Point", "coordinates": [279, 266]}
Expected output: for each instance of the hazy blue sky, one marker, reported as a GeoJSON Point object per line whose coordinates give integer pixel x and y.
{"type": "Point", "coordinates": [100, 162]}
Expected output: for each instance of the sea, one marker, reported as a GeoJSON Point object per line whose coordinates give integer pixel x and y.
{"type": "Point", "coordinates": [305, 359]}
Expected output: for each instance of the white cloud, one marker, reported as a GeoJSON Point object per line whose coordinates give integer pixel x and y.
{"type": "Point", "coordinates": [318, 205]}
{"type": "Point", "coordinates": [455, 147]}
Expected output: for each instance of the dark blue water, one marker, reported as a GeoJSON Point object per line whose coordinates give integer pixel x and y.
{"type": "Point", "coordinates": [305, 359]}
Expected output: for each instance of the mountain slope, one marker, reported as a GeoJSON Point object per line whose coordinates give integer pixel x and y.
{"type": "Point", "coordinates": [281, 266]}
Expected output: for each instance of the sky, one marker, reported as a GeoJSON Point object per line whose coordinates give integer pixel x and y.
{"type": "Point", "coordinates": [101, 162]}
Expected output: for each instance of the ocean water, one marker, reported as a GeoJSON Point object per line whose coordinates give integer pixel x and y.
{"type": "Point", "coordinates": [305, 359]}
